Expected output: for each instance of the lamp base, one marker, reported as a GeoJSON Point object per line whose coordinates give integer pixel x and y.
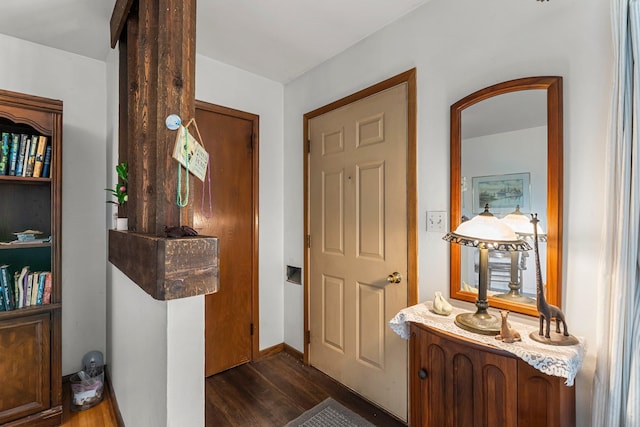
{"type": "Point", "coordinates": [515, 296]}
{"type": "Point", "coordinates": [479, 323]}
{"type": "Point", "coordinates": [554, 339]}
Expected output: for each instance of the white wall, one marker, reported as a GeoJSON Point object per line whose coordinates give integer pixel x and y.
{"type": "Point", "coordinates": [156, 356]}
{"type": "Point", "coordinates": [80, 83]}
{"type": "Point", "coordinates": [138, 352]}
{"type": "Point", "coordinates": [222, 84]}
{"type": "Point", "coordinates": [460, 47]}
{"type": "Point", "coordinates": [185, 363]}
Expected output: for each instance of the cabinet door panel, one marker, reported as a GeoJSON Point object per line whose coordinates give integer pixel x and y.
{"type": "Point", "coordinates": [462, 385]}
{"type": "Point", "coordinates": [498, 390]}
{"type": "Point", "coordinates": [24, 366]}
{"type": "Point", "coordinates": [436, 384]}
{"type": "Point", "coordinates": [543, 399]}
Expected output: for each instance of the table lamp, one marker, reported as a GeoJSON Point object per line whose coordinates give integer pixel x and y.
{"type": "Point", "coordinates": [521, 225]}
{"type": "Point", "coordinates": [484, 232]}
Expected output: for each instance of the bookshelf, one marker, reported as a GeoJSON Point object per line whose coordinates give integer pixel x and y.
{"type": "Point", "coordinates": [30, 334]}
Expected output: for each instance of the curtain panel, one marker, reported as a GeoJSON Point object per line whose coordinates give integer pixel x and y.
{"type": "Point", "coordinates": [616, 399]}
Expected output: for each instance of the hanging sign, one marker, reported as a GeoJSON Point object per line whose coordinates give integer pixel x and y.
{"type": "Point", "coordinates": [190, 153]}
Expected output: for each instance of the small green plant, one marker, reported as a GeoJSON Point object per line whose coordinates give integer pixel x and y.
{"type": "Point", "coordinates": [120, 191]}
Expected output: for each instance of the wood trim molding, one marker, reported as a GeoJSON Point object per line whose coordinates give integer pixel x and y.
{"type": "Point", "coordinates": [267, 352]}
{"type": "Point", "coordinates": [408, 77]}
{"type": "Point", "coordinates": [293, 352]}
{"type": "Point", "coordinates": [279, 348]}
{"type": "Point", "coordinates": [114, 401]}
{"type": "Point", "coordinates": [119, 19]}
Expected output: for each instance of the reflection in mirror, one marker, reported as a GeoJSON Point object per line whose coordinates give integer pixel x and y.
{"type": "Point", "coordinates": [506, 151]}
{"type": "Point", "coordinates": [504, 165]}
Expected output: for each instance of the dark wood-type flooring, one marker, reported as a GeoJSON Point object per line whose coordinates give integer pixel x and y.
{"type": "Point", "coordinates": [270, 392]}
{"type": "Point", "coordinates": [276, 390]}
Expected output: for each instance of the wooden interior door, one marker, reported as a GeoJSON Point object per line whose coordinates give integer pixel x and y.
{"type": "Point", "coordinates": [230, 138]}
{"type": "Point", "coordinates": [358, 235]}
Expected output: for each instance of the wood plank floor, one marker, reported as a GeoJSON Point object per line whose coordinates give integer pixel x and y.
{"type": "Point", "coordinates": [276, 390]}
{"type": "Point", "coordinates": [267, 393]}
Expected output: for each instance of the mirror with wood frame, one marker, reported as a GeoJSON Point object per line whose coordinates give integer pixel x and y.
{"type": "Point", "coordinates": [506, 151]}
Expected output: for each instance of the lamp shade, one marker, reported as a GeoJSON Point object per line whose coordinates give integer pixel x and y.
{"type": "Point", "coordinates": [521, 223]}
{"type": "Point", "coordinates": [487, 231]}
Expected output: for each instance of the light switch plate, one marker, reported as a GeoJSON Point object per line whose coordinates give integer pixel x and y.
{"type": "Point", "coordinates": [437, 221]}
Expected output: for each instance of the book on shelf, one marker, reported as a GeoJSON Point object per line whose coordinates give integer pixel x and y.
{"type": "Point", "coordinates": [13, 153]}
{"type": "Point", "coordinates": [47, 162]}
{"type": "Point", "coordinates": [41, 282]}
{"type": "Point", "coordinates": [40, 152]}
{"type": "Point", "coordinates": [5, 148]}
{"type": "Point", "coordinates": [7, 289]}
{"type": "Point", "coordinates": [2, 306]}
{"type": "Point", "coordinates": [28, 282]}
{"type": "Point", "coordinates": [30, 160]}
{"type": "Point", "coordinates": [24, 142]}
{"type": "Point", "coordinates": [34, 287]}
{"type": "Point", "coordinates": [22, 282]}
{"type": "Point", "coordinates": [46, 296]}
{"type": "Point", "coordinates": [18, 291]}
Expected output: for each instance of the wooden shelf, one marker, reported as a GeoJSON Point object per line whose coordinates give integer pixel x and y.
{"type": "Point", "coordinates": [33, 309]}
{"type": "Point", "coordinates": [24, 179]}
{"type": "Point", "coordinates": [167, 268]}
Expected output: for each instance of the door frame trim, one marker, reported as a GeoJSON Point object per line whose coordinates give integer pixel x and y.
{"type": "Point", "coordinates": [408, 77]}
{"type": "Point", "coordinates": [255, 181]}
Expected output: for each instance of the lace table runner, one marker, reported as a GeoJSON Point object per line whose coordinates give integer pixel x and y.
{"type": "Point", "coordinates": [561, 361]}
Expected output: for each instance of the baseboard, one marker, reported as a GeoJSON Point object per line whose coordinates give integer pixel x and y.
{"type": "Point", "coordinates": [271, 351]}
{"type": "Point", "coordinates": [114, 401]}
{"type": "Point", "coordinates": [293, 352]}
{"type": "Point", "coordinates": [279, 348]}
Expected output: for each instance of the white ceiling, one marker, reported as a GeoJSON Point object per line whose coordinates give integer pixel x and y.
{"type": "Point", "coordinates": [277, 39]}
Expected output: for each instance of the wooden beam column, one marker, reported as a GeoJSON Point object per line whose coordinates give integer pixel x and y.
{"type": "Point", "coordinates": [157, 78]}
{"type": "Point", "coordinates": [158, 37]}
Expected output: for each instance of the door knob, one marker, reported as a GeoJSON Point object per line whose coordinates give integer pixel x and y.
{"type": "Point", "coordinates": [394, 277]}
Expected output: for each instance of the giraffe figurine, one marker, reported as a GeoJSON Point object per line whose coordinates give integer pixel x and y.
{"type": "Point", "coordinates": [546, 311]}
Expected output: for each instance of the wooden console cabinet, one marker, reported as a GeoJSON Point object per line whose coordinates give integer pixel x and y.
{"type": "Point", "coordinates": [30, 330]}
{"type": "Point", "coordinates": [458, 382]}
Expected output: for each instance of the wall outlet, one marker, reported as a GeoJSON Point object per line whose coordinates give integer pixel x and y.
{"type": "Point", "coordinates": [437, 221]}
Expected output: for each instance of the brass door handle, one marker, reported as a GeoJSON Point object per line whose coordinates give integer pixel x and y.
{"type": "Point", "coordinates": [394, 277]}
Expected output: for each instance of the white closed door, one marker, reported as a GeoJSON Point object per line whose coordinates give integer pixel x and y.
{"type": "Point", "coordinates": [358, 237]}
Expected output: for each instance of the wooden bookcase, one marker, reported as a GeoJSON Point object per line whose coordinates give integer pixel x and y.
{"type": "Point", "coordinates": [30, 337]}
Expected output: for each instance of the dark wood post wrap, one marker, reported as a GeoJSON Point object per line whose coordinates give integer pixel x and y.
{"type": "Point", "coordinates": [157, 42]}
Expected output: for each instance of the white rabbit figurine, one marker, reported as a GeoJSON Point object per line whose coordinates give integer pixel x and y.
{"type": "Point", "coordinates": [441, 305]}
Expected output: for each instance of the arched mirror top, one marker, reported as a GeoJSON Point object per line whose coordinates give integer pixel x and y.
{"type": "Point", "coordinates": [506, 150]}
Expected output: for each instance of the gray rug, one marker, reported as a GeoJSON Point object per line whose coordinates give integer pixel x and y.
{"type": "Point", "coordinates": [329, 414]}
